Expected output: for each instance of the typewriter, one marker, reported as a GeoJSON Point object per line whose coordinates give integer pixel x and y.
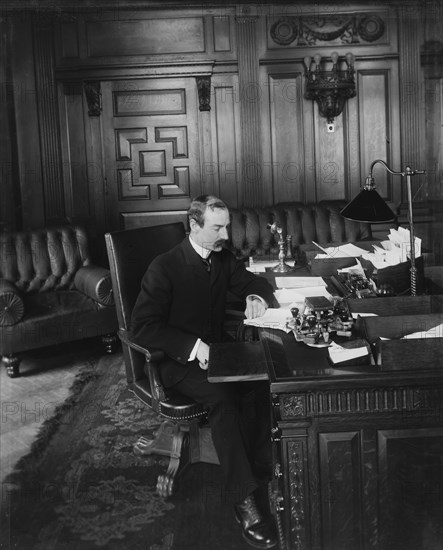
{"type": "Point", "coordinates": [354, 285]}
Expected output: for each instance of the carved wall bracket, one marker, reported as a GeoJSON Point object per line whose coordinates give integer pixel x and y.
{"type": "Point", "coordinates": [93, 97]}
{"type": "Point", "coordinates": [204, 92]}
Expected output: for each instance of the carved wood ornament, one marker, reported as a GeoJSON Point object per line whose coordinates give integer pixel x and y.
{"type": "Point", "coordinates": [346, 29]}
{"type": "Point", "coordinates": [361, 401]}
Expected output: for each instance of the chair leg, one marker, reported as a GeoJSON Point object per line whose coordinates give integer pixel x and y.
{"type": "Point", "coordinates": [170, 440]}
{"type": "Point", "coordinates": [162, 444]}
{"type": "Point", "coordinates": [12, 364]}
{"type": "Point", "coordinates": [166, 482]}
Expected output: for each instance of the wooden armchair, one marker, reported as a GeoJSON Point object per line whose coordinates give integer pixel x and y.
{"type": "Point", "coordinates": [182, 436]}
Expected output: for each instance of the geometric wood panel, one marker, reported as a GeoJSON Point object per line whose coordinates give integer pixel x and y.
{"type": "Point", "coordinates": [433, 189]}
{"type": "Point", "coordinates": [178, 136]}
{"type": "Point", "coordinates": [286, 168]}
{"type": "Point", "coordinates": [225, 166]}
{"type": "Point", "coordinates": [149, 102]}
{"type": "Point", "coordinates": [140, 34]}
{"type": "Point", "coordinates": [341, 490]}
{"type": "Point", "coordinates": [180, 187]}
{"type": "Point", "coordinates": [125, 137]}
{"type": "Point", "coordinates": [373, 98]}
{"type": "Point", "coordinates": [127, 190]}
{"type": "Point", "coordinates": [410, 466]}
{"type": "Point", "coordinates": [222, 34]}
{"type": "Point", "coordinates": [132, 220]}
{"type": "Point", "coordinates": [152, 163]}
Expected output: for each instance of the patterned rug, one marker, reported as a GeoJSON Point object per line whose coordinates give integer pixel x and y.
{"type": "Point", "coordinates": [82, 488]}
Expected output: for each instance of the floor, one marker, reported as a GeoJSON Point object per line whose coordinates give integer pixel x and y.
{"type": "Point", "coordinates": [28, 400]}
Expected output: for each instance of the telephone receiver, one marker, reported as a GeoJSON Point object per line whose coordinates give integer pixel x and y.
{"type": "Point", "coordinates": [275, 227]}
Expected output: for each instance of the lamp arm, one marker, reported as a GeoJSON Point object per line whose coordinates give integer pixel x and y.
{"type": "Point", "coordinates": [407, 173]}
{"type": "Point", "coordinates": [379, 161]}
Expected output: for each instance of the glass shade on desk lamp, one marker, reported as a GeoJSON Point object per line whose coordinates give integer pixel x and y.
{"type": "Point", "coordinates": [368, 206]}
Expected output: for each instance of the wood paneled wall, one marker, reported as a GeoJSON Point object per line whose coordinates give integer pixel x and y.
{"type": "Point", "coordinates": [247, 132]}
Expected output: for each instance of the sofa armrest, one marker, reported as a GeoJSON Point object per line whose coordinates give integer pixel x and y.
{"type": "Point", "coordinates": [12, 307]}
{"type": "Point", "coordinates": [96, 283]}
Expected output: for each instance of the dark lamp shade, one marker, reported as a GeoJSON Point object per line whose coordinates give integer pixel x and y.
{"type": "Point", "coordinates": [368, 206]}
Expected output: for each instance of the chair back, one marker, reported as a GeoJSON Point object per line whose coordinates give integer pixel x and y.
{"type": "Point", "coordinates": [130, 252]}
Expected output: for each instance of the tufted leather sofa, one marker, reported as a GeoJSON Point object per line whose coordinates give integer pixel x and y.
{"type": "Point", "coordinates": [320, 222]}
{"type": "Point", "coordinates": [50, 292]}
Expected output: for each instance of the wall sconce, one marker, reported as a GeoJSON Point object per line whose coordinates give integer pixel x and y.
{"type": "Point", "coordinates": [369, 207]}
{"type": "Point", "coordinates": [330, 89]}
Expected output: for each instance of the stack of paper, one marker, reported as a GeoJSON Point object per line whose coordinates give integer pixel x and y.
{"type": "Point", "coordinates": [342, 251]}
{"type": "Point", "coordinates": [275, 318]}
{"type": "Point", "coordinates": [299, 282]}
{"type": "Point", "coordinates": [395, 250]}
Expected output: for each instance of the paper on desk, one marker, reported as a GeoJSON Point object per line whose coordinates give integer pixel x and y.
{"type": "Point", "coordinates": [434, 332]}
{"type": "Point", "coordinates": [289, 298]}
{"type": "Point", "coordinates": [273, 318]}
{"type": "Point", "coordinates": [285, 296]}
{"type": "Point", "coordinates": [338, 354]}
{"type": "Point", "coordinates": [299, 282]}
{"type": "Point", "coordinates": [342, 251]}
{"type": "Point", "coordinates": [260, 267]}
{"type": "Point", "coordinates": [356, 314]}
{"type": "Point", "coordinates": [357, 269]}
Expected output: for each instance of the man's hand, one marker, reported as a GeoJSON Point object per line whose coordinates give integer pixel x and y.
{"type": "Point", "coordinates": [202, 355]}
{"type": "Point", "coordinates": [255, 307]}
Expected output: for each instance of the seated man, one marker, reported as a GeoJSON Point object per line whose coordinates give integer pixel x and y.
{"type": "Point", "coordinates": [180, 310]}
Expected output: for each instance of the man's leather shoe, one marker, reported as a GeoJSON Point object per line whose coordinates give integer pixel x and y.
{"type": "Point", "coordinates": [256, 530]}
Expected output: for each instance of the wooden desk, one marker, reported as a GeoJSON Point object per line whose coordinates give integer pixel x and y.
{"type": "Point", "coordinates": [358, 451]}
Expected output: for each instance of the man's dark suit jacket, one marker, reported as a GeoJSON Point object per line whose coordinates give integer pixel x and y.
{"type": "Point", "coordinates": [180, 302]}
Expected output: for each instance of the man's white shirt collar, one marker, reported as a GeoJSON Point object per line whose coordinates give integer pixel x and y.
{"type": "Point", "coordinates": [203, 252]}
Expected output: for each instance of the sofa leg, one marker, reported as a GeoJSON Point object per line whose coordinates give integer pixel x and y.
{"type": "Point", "coordinates": [12, 363]}
{"type": "Point", "coordinates": [110, 342]}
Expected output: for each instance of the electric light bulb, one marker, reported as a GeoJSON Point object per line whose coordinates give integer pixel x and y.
{"type": "Point", "coordinates": [317, 59]}
{"type": "Point", "coordinates": [334, 57]}
{"type": "Point", "coordinates": [350, 59]}
{"type": "Point", "coordinates": [307, 61]}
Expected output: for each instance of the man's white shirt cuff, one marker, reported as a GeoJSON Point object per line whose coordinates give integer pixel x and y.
{"type": "Point", "coordinates": [194, 350]}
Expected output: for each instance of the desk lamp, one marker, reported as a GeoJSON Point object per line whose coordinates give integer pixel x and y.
{"type": "Point", "coordinates": [368, 206]}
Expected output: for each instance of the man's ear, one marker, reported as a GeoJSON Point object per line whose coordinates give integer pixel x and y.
{"type": "Point", "coordinates": [193, 224]}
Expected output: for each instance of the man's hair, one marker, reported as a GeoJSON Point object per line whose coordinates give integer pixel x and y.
{"type": "Point", "coordinates": [200, 204]}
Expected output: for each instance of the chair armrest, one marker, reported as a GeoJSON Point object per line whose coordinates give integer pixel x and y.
{"type": "Point", "coordinates": [151, 358]}
{"type": "Point", "coordinates": [12, 307]}
{"type": "Point", "coordinates": [96, 283]}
